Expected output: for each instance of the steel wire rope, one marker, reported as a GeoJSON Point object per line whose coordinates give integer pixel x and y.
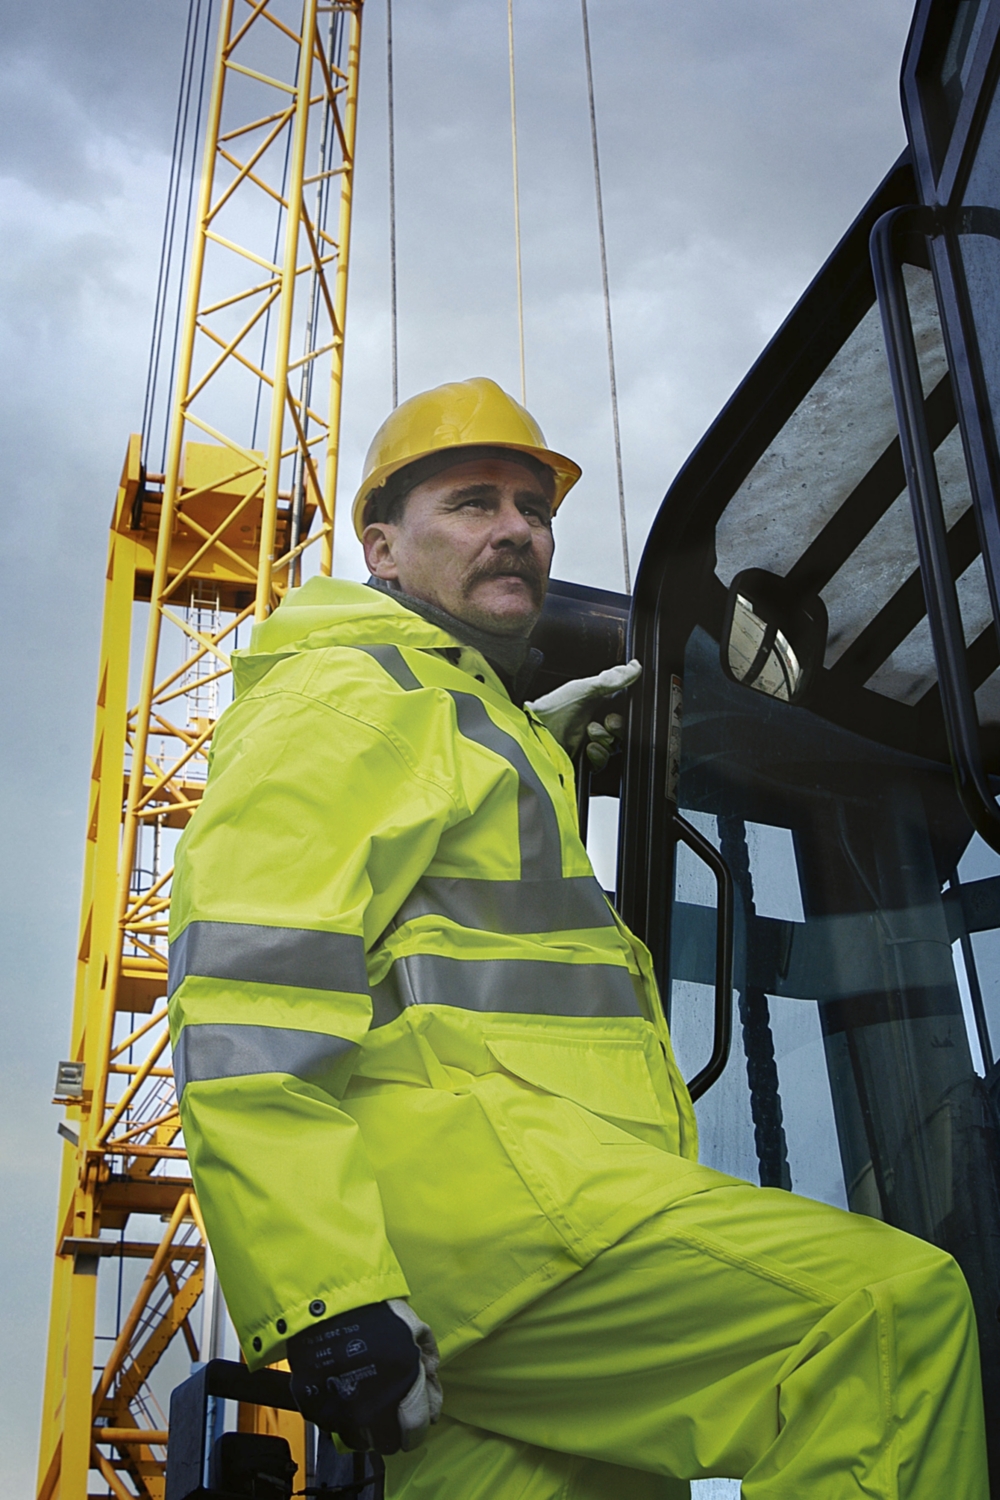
{"type": "Point", "coordinates": [187, 226]}
{"type": "Point", "coordinates": [390, 97]}
{"type": "Point", "coordinates": [607, 297]}
{"type": "Point", "coordinates": [517, 195]}
{"type": "Point", "coordinates": [169, 223]}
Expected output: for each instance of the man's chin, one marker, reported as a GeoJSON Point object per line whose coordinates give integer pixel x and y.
{"type": "Point", "coordinates": [505, 606]}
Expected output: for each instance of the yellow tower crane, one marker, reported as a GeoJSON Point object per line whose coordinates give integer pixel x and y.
{"type": "Point", "coordinates": [207, 545]}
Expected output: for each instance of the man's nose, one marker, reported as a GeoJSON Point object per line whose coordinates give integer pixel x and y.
{"type": "Point", "coordinates": [511, 527]}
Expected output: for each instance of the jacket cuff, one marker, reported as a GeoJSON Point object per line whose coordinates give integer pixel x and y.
{"type": "Point", "coordinates": [264, 1344]}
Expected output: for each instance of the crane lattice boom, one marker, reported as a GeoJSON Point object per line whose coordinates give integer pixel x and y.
{"type": "Point", "coordinates": [209, 544]}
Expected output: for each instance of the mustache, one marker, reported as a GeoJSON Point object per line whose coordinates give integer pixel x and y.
{"type": "Point", "coordinates": [524, 567]}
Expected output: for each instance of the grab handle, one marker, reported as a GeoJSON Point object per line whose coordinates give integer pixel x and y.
{"type": "Point", "coordinates": [724, 931]}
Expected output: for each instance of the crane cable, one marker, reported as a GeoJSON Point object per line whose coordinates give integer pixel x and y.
{"type": "Point", "coordinates": [206, 52]}
{"type": "Point", "coordinates": [392, 204]}
{"type": "Point", "coordinates": [607, 299]}
{"type": "Point", "coordinates": [517, 199]}
{"type": "Point", "coordinates": [159, 311]}
{"type": "Point", "coordinates": [189, 68]}
{"type": "Point", "coordinates": [517, 245]}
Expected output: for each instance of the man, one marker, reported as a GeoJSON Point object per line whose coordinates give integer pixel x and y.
{"type": "Point", "coordinates": [427, 1086]}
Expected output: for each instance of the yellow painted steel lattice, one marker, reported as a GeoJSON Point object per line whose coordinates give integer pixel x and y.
{"type": "Point", "coordinates": [205, 547]}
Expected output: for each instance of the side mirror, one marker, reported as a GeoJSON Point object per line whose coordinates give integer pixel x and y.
{"type": "Point", "coordinates": [773, 636]}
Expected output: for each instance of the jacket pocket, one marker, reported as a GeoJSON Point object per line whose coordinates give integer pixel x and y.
{"type": "Point", "coordinates": [608, 1078]}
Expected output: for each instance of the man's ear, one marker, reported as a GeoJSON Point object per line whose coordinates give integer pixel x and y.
{"type": "Point", "coordinates": [377, 540]}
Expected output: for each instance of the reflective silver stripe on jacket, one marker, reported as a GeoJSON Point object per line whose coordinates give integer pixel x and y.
{"type": "Point", "coordinates": [391, 659]}
{"type": "Point", "coordinates": [510, 906]}
{"type": "Point", "coordinates": [297, 956]}
{"type": "Point", "coordinates": [543, 900]}
{"type": "Point", "coordinates": [538, 826]}
{"type": "Point", "coordinates": [518, 986]}
{"type": "Point", "coordinates": [216, 1050]}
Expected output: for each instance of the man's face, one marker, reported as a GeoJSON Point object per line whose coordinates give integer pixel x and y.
{"type": "Point", "coordinates": [476, 540]}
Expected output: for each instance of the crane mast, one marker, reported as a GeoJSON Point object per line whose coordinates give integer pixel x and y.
{"type": "Point", "coordinates": [208, 545]}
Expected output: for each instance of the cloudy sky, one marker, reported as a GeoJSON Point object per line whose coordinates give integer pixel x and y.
{"type": "Point", "coordinates": [739, 138]}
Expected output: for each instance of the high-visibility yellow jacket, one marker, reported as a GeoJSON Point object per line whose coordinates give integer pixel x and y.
{"type": "Point", "coordinates": [417, 1052]}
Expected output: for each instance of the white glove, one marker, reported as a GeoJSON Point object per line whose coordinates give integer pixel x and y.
{"type": "Point", "coordinates": [420, 1408]}
{"type": "Point", "coordinates": [567, 713]}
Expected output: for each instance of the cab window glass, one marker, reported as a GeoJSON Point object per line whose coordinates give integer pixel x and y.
{"type": "Point", "coordinates": [959, 52]}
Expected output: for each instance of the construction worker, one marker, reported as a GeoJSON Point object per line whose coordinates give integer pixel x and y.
{"type": "Point", "coordinates": [426, 1084]}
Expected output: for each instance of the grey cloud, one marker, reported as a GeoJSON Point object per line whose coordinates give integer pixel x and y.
{"type": "Point", "coordinates": [118, 59]}
{"type": "Point", "coordinates": [45, 132]}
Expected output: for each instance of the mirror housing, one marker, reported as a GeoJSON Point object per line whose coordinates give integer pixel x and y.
{"type": "Point", "coordinates": [773, 636]}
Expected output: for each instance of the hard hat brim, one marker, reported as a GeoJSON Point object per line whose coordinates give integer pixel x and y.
{"type": "Point", "coordinates": [565, 473]}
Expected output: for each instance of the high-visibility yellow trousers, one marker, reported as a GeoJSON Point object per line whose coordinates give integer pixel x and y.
{"type": "Point", "coordinates": [744, 1332]}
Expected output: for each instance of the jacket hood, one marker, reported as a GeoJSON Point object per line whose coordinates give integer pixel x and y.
{"type": "Point", "coordinates": [331, 612]}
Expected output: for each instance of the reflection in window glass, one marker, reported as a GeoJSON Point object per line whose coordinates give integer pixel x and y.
{"type": "Point", "coordinates": [968, 1013]}
{"type": "Point", "coordinates": [807, 1107]}
{"type": "Point", "coordinates": [981, 254]}
{"type": "Point", "coordinates": [725, 1124]}
{"type": "Point", "coordinates": [745, 639]}
{"type": "Point", "coordinates": [775, 874]}
{"type": "Point", "coordinates": [979, 867]}
{"type": "Point", "coordinates": [602, 839]}
{"type": "Point", "coordinates": [833, 440]}
{"type": "Point", "coordinates": [827, 445]}
{"type": "Point", "coordinates": [849, 1012]}
{"type": "Point", "coordinates": [981, 261]}
{"type": "Point", "coordinates": [725, 1116]}
{"type": "Point", "coordinates": [909, 671]}
{"type": "Point", "coordinates": [783, 673]}
{"type": "Point", "coordinates": [694, 883]}
{"type": "Point", "coordinates": [759, 660]}
{"type": "Point", "coordinates": [888, 556]}
{"type": "Point", "coordinates": [960, 51]}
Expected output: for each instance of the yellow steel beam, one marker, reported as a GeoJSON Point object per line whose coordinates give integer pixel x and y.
{"type": "Point", "coordinates": [118, 1435]}
{"type": "Point", "coordinates": [348, 137]}
{"type": "Point", "coordinates": [300, 135]}
{"type": "Point", "coordinates": [211, 542]}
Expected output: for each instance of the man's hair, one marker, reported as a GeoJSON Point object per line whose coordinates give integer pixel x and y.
{"type": "Point", "coordinates": [387, 503]}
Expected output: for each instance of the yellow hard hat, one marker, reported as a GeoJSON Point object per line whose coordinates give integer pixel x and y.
{"type": "Point", "coordinates": [463, 414]}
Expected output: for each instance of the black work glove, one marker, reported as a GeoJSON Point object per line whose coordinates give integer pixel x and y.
{"type": "Point", "coordinates": [369, 1375]}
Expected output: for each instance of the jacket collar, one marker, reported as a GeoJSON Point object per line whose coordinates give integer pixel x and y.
{"type": "Point", "coordinates": [512, 658]}
{"type": "Point", "coordinates": [336, 612]}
